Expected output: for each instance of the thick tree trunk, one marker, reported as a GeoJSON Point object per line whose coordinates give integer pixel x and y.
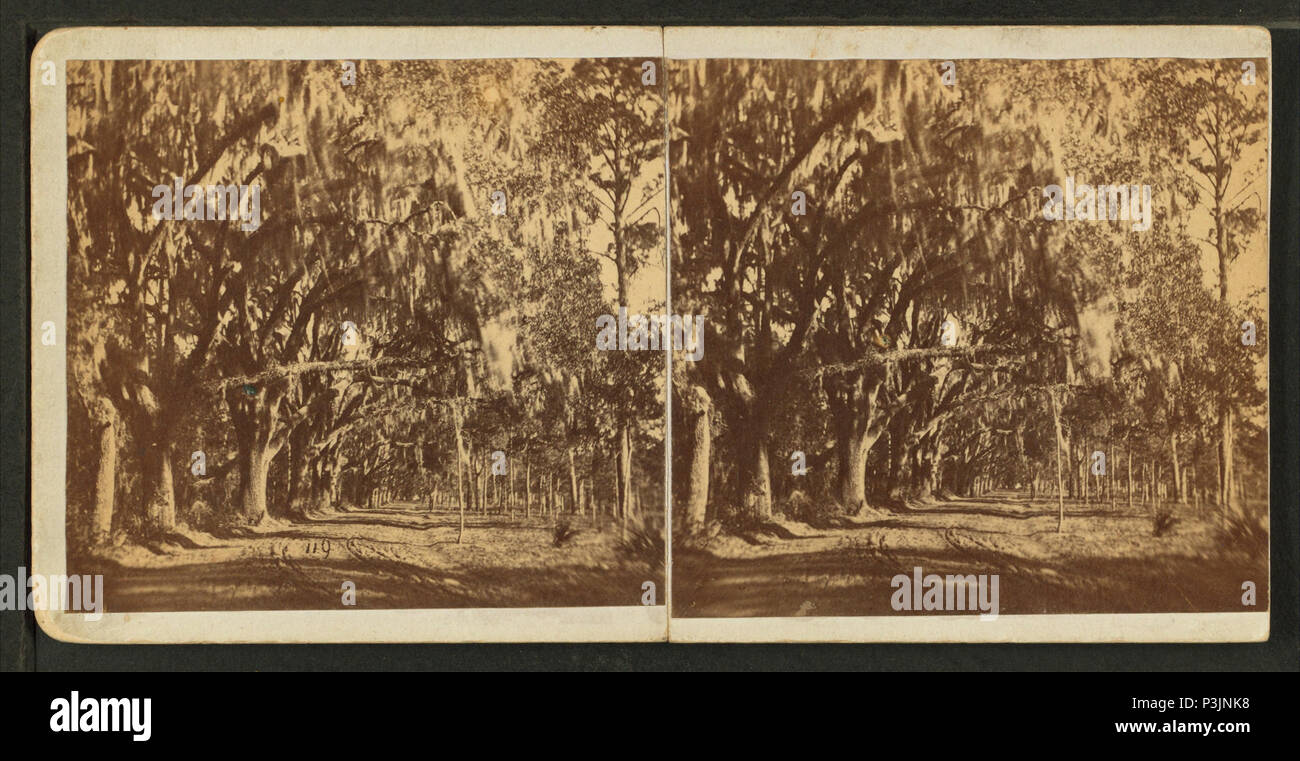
{"type": "Point", "coordinates": [853, 482]}
{"type": "Point", "coordinates": [301, 492]}
{"type": "Point", "coordinates": [856, 433]}
{"type": "Point", "coordinates": [253, 468]}
{"type": "Point", "coordinates": [758, 486]}
{"type": "Point", "coordinates": [255, 419]}
{"type": "Point", "coordinates": [155, 467]}
{"type": "Point", "coordinates": [322, 482]}
{"type": "Point", "coordinates": [101, 522]}
{"type": "Point", "coordinates": [928, 477]}
{"type": "Point", "coordinates": [697, 491]}
{"type": "Point", "coordinates": [899, 428]}
{"type": "Point", "coordinates": [161, 509]}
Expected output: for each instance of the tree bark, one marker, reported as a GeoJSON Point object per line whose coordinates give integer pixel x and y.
{"type": "Point", "coordinates": [101, 523]}
{"type": "Point", "coordinates": [853, 482]}
{"type": "Point", "coordinates": [253, 468]}
{"type": "Point", "coordinates": [899, 428]}
{"type": "Point", "coordinates": [856, 433]}
{"type": "Point", "coordinates": [757, 488]}
{"type": "Point", "coordinates": [697, 492]}
{"type": "Point", "coordinates": [255, 419]}
{"type": "Point", "coordinates": [624, 466]}
{"type": "Point", "coordinates": [161, 510]}
{"type": "Point", "coordinates": [926, 468]}
{"type": "Point", "coordinates": [301, 492]}
{"type": "Point", "coordinates": [1227, 497]}
{"type": "Point", "coordinates": [625, 477]}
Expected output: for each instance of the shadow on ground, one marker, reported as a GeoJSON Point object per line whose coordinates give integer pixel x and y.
{"type": "Point", "coordinates": [396, 557]}
{"type": "Point", "coordinates": [1105, 561]}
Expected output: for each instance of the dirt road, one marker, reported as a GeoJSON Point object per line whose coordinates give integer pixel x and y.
{"type": "Point", "coordinates": [399, 556]}
{"type": "Point", "coordinates": [1104, 561]}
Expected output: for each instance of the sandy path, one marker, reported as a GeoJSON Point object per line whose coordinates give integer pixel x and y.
{"type": "Point", "coordinates": [399, 556]}
{"type": "Point", "coordinates": [1104, 561]}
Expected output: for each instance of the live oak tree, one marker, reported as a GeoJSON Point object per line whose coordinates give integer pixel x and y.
{"type": "Point", "coordinates": [855, 270]}
{"type": "Point", "coordinates": [835, 221]}
{"type": "Point", "coordinates": [375, 213]}
{"type": "Point", "coordinates": [162, 285]}
{"type": "Point", "coordinates": [732, 181]}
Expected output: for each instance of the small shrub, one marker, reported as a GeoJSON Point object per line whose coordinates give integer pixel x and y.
{"type": "Point", "coordinates": [643, 545]}
{"type": "Point", "coordinates": [797, 506]}
{"type": "Point", "coordinates": [736, 520]}
{"type": "Point", "coordinates": [562, 532]}
{"type": "Point", "coordinates": [1244, 533]}
{"type": "Point", "coordinates": [805, 509]}
{"type": "Point", "coordinates": [1163, 521]}
{"type": "Point", "coordinates": [201, 516]}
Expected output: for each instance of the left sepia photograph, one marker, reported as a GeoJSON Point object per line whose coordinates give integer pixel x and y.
{"type": "Point", "coordinates": [332, 344]}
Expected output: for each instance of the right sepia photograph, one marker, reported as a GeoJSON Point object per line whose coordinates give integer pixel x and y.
{"type": "Point", "coordinates": [985, 341]}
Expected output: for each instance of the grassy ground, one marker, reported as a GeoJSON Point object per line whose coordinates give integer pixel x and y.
{"type": "Point", "coordinates": [399, 556]}
{"type": "Point", "coordinates": [1105, 561]}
